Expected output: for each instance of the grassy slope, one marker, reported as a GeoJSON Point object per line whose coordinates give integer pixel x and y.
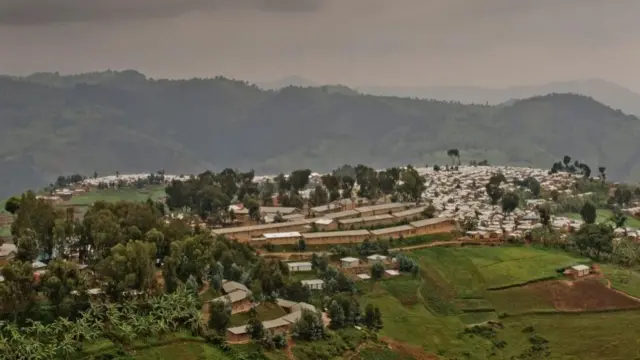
{"type": "Point", "coordinates": [604, 215]}
{"type": "Point", "coordinates": [413, 314]}
{"type": "Point", "coordinates": [113, 195]}
{"type": "Point", "coordinates": [266, 311]}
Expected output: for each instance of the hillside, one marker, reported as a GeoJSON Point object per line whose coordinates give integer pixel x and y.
{"type": "Point", "coordinates": [123, 121]}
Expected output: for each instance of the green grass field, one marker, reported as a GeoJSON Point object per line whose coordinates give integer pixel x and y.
{"type": "Point", "coordinates": [622, 279]}
{"type": "Point", "coordinates": [113, 195]}
{"type": "Point", "coordinates": [604, 215]}
{"type": "Point", "coordinates": [432, 311]}
{"type": "Point", "coordinates": [266, 311]}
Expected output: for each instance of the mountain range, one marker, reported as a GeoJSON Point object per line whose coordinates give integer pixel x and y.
{"type": "Point", "coordinates": [611, 94]}
{"type": "Point", "coordinates": [124, 121]}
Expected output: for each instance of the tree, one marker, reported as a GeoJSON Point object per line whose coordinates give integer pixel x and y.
{"type": "Point", "coordinates": [296, 291]}
{"type": "Point", "coordinates": [429, 212]}
{"type": "Point", "coordinates": [302, 245]}
{"type": "Point", "coordinates": [299, 179]}
{"type": "Point", "coordinates": [347, 183]}
{"type": "Point", "coordinates": [255, 329]}
{"type": "Point", "coordinates": [318, 196]}
{"type": "Point", "coordinates": [309, 327]}
{"type": "Point", "coordinates": [594, 239]}
{"type": "Point", "coordinates": [129, 267]}
{"type": "Point", "coordinates": [377, 271]}
{"type": "Point", "coordinates": [17, 291]}
{"type": "Point", "coordinates": [219, 316]}
{"type": "Point", "coordinates": [63, 285]}
{"type": "Point", "coordinates": [413, 185]}
{"type": "Point", "coordinates": [454, 154]}
{"type": "Point", "coordinates": [510, 202]}
{"type": "Point", "coordinates": [337, 316]}
{"type": "Point", "coordinates": [622, 196]}
{"type": "Point", "coordinates": [603, 175]}
{"type": "Point", "coordinates": [494, 192]}
{"type": "Point", "coordinates": [544, 213]}
{"type": "Point", "coordinates": [253, 205]}
{"type": "Point", "coordinates": [619, 219]}
{"type": "Point", "coordinates": [12, 205]}
{"type": "Point", "coordinates": [566, 160]}
{"type": "Point", "coordinates": [588, 212]}
{"type": "Point", "coordinates": [27, 246]}
{"type": "Point", "coordinates": [373, 318]}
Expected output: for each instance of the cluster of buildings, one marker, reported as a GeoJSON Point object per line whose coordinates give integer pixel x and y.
{"type": "Point", "coordinates": [461, 195]}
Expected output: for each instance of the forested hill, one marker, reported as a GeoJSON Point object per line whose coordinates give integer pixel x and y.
{"type": "Point", "coordinates": [123, 121]}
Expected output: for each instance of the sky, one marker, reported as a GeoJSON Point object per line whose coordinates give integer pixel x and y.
{"type": "Point", "coordinates": [491, 43]}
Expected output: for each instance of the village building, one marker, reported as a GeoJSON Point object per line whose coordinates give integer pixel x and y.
{"type": "Point", "coordinates": [372, 259]}
{"type": "Point", "coordinates": [349, 262]}
{"type": "Point", "coordinates": [391, 272]}
{"type": "Point", "coordinates": [239, 300]}
{"type": "Point", "coordinates": [286, 238]}
{"type": "Point", "coordinates": [273, 210]}
{"type": "Point", "coordinates": [364, 276]}
{"type": "Point", "coordinates": [366, 222]}
{"type": "Point", "coordinates": [246, 233]}
{"type": "Point", "coordinates": [8, 252]}
{"type": "Point", "coordinates": [381, 209]}
{"type": "Point", "coordinates": [433, 226]}
{"type": "Point", "coordinates": [238, 334]}
{"type": "Point", "coordinates": [410, 214]}
{"type": "Point", "coordinates": [336, 237]}
{"type": "Point", "coordinates": [319, 211]}
{"type": "Point", "coordinates": [300, 266]}
{"type": "Point", "coordinates": [396, 232]}
{"type": "Point", "coordinates": [314, 284]}
{"type": "Point", "coordinates": [293, 217]}
{"type": "Point", "coordinates": [326, 224]}
{"type": "Point", "coordinates": [346, 214]}
{"type": "Point", "coordinates": [578, 271]}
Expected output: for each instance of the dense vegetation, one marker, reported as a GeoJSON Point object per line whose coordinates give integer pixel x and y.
{"type": "Point", "coordinates": [108, 122]}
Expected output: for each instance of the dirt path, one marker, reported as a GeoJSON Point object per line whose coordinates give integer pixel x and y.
{"type": "Point", "coordinates": [288, 351]}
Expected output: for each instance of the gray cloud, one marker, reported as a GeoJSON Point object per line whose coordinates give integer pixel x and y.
{"type": "Point", "coordinates": [357, 42]}
{"type": "Point", "coordinates": [39, 12]}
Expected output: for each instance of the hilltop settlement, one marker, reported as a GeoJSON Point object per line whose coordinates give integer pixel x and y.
{"type": "Point", "coordinates": [232, 258]}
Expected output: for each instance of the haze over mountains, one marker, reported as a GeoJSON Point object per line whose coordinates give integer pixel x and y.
{"type": "Point", "coordinates": [123, 121]}
{"type": "Point", "coordinates": [609, 93]}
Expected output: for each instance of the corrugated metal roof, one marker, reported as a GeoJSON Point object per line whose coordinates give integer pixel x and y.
{"type": "Point", "coordinates": [335, 234]}
{"type": "Point", "coordinates": [341, 214]}
{"type": "Point", "coordinates": [391, 230]}
{"type": "Point", "coordinates": [388, 206]}
{"type": "Point", "coordinates": [366, 219]}
{"type": "Point", "coordinates": [281, 235]}
{"type": "Point", "coordinates": [427, 222]}
{"type": "Point", "coordinates": [270, 324]}
{"type": "Point", "coordinates": [238, 229]}
{"type": "Point", "coordinates": [238, 330]}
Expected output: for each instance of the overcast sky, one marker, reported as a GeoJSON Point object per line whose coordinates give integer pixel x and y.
{"type": "Point", "coordinates": [358, 42]}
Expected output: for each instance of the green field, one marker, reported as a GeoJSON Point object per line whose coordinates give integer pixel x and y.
{"type": "Point", "coordinates": [113, 195]}
{"type": "Point", "coordinates": [266, 311]}
{"type": "Point", "coordinates": [604, 215]}
{"type": "Point", "coordinates": [452, 291]}
{"type": "Point", "coordinates": [622, 279]}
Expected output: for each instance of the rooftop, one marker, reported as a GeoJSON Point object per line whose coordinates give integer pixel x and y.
{"type": "Point", "coordinates": [335, 234]}
{"type": "Point", "coordinates": [349, 259]}
{"type": "Point", "coordinates": [281, 235]}
{"type": "Point", "coordinates": [391, 230]}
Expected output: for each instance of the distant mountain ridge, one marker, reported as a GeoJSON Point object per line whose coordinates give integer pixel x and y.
{"type": "Point", "coordinates": [123, 121]}
{"type": "Point", "coordinates": [611, 94]}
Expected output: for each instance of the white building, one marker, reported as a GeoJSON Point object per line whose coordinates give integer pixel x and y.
{"type": "Point", "coordinates": [371, 259]}
{"type": "Point", "coordinates": [299, 266]}
{"type": "Point", "coordinates": [315, 284]}
{"type": "Point", "coordinates": [348, 262]}
{"type": "Point", "coordinates": [392, 272]}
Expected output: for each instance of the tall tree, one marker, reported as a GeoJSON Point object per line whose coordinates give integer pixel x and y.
{"type": "Point", "coordinates": [63, 285]}
{"type": "Point", "coordinates": [17, 291]}
{"type": "Point", "coordinates": [510, 202]}
{"type": "Point", "coordinates": [299, 179]}
{"type": "Point", "coordinates": [219, 316]}
{"type": "Point", "coordinates": [603, 175]}
{"type": "Point", "coordinates": [454, 154]}
{"type": "Point", "coordinates": [129, 267]}
{"type": "Point", "coordinates": [588, 212]}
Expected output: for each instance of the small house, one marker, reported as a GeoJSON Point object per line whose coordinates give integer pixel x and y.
{"type": "Point", "coordinates": [326, 224]}
{"type": "Point", "coordinates": [363, 276]}
{"type": "Point", "coordinates": [349, 262]}
{"type": "Point", "coordinates": [299, 266]}
{"type": "Point", "coordinates": [391, 272]}
{"type": "Point", "coordinates": [8, 251]}
{"type": "Point", "coordinates": [372, 259]}
{"type": "Point", "coordinates": [578, 271]}
{"type": "Point", "coordinates": [238, 334]}
{"type": "Point", "coordinates": [240, 301]}
{"type": "Point", "coordinates": [314, 284]}
{"type": "Point", "coordinates": [282, 238]}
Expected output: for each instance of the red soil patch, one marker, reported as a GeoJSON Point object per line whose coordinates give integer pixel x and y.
{"type": "Point", "coordinates": [583, 295]}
